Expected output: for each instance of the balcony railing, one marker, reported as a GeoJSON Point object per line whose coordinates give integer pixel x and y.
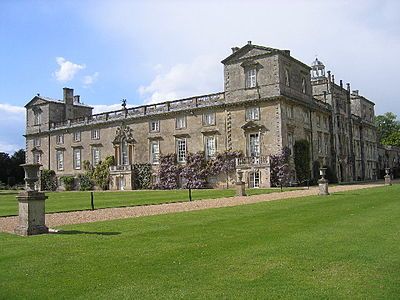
{"type": "Point", "coordinates": [146, 110]}
{"type": "Point", "coordinates": [120, 168]}
{"type": "Point", "coordinates": [252, 161]}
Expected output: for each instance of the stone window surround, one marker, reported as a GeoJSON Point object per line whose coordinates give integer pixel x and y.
{"type": "Point", "coordinates": [60, 159]}
{"type": "Point", "coordinates": [181, 149]}
{"type": "Point", "coordinates": [76, 136]}
{"type": "Point", "coordinates": [77, 159]}
{"type": "Point", "coordinates": [180, 122]}
{"type": "Point", "coordinates": [60, 139]}
{"type": "Point", "coordinates": [252, 113]}
{"type": "Point", "coordinates": [95, 134]}
{"type": "Point", "coordinates": [154, 125]}
{"type": "Point", "coordinates": [208, 149]}
{"type": "Point", "coordinates": [154, 155]}
{"type": "Point", "coordinates": [209, 118]}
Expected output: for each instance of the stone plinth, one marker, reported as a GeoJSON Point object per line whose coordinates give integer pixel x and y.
{"type": "Point", "coordinates": [388, 179]}
{"type": "Point", "coordinates": [31, 213]}
{"type": "Point", "coordinates": [240, 189]}
{"type": "Point", "coordinates": [323, 187]}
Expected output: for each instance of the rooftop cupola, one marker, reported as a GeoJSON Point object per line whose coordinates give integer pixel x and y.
{"type": "Point", "coordinates": [317, 69]}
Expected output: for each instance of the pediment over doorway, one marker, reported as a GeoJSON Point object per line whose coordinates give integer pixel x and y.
{"type": "Point", "coordinates": [124, 132]}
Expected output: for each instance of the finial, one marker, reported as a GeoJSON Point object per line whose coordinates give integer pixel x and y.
{"type": "Point", "coordinates": [123, 103]}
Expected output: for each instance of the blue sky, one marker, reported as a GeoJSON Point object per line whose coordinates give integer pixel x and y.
{"type": "Point", "coordinates": [149, 51]}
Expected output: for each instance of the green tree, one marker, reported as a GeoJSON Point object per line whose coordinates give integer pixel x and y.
{"type": "Point", "coordinates": [302, 159]}
{"type": "Point", "coordinates": [386, 124]}
{"type": "Point", "coordinates": [101, 173]}
{"type": "Point", "coordinates": [392, 139]}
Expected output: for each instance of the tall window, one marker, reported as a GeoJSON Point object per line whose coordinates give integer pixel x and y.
{"type": "Point", "coordinates": [60, 139]}
{"type": "Point", "coordinates": [60, 160]}
{"type": "Point", "coordinates": [251, 78]}
{"type": "Point", "coordinates": [210, 146]}
{"type": "Point", "coordinates": [180, 122]}
{"type": "Point", "coordinates": [289, 111]}
{"type": "Point", "coordinates": [77, 158]}
{"type": "Point", "coordinates": [95, 134]}
{"type": "Point", "coordinates": [254, 144]}
{"type": "Point", "coordinates": [77, 136]}
{"type": "Point", "coordinates": [319, 142]}
{"type": "Point", "coordinates": [290, 142]}
{"type": "Point", "coordinates": [209, 118]}
{"type": "Point", "coordinates": [36, 142]}
{"type": "Point", "coordinates": [287, 77]}
{"type": "Point", "coordinates": [37, 117]}
{"type": "Point", "coordinates": [124, 153]}
{"type": "Point", "coordinates": [254, 178]}
{"type": "Point", "coordinates": [326, 143]}
{"type": "Point", "coordinates": [154, 126]}
{"type": "Point", "coordinates": [303, 85]}
{"type": "Point", "coordinates": [36, 157]}
{"type": "Point", "coordinates": [181, 150]}
{"type": "Point", "coordinates": [95, 156]}
{"type": "Point", "coordinates": [252, 113]}
{"type": "Point", "coordinates": [155, 152]}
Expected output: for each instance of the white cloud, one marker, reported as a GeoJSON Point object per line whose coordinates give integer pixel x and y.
{"type": "Point", "coordinates": [11, 109]}
{"type": "Point", "coordinates": [201, 76]}
{"type": "Point", "coordinates": [67, 69]}
{"type": "Point", "coordinates": [9, 148]}
{"type": "Point", "coordinates": [90, 79]}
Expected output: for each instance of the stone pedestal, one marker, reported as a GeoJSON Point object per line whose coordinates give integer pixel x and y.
{"type": "Point", "coordinates": [323, 187]}
{"type": "Point", "coordinates": [240, 189]}
{"type": "Point", "coordinates": [323, 183]}
{"type": "Point", "coordinates": [388, 180]}
{"type": "Point", "coordinates": [240, 186]}
{"type": "Point", "coordinates": [31, 213]}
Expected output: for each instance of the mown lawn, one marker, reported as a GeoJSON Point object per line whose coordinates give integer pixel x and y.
{"type": "Point", "coordinates": [70, 201]}
{"type": "Point", "coordinates": [342, 246]}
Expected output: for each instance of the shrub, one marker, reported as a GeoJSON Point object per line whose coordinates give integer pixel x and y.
{"type": "Point", "coordinates": [101, 173]}
{"type": "Point", "coordinates": [68, 182]}
{"type": "Point", "coordinates": [85, 182]}
{"type": "Point", "coordinates": [331, 175]}
{"type": "Point", "coordinates": [195, 171]}
{"type": "Point", "coordinates": [48, 180]}
{"type": "Point", "coordinates": [142, 173]}
{"type": "Point", "coordinates": [280, 171]}
{"type": "Point", "coordinates": [168, 173]}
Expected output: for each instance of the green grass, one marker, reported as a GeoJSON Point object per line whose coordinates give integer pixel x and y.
{"type": "Point", "coordinates": [342, 246]}
{"type": "Point", "coordinates": [70, 201]}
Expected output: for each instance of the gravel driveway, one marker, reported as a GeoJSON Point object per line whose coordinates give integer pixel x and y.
{"type": "Point", "coordinates": [7, 224]}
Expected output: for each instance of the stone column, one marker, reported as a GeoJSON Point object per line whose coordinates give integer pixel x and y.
{"type": "Point", "coordinates": [323, 183]}
{"type": "Point", "coordinates": [240, 185]}
{"type": "Point", "coordinates": [388, 179]}
{"type": "Point", "coordinates": [31, 205]}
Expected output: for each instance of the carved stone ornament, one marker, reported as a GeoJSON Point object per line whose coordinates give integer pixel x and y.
{"type": "Point", "coordinates": [123, 132]}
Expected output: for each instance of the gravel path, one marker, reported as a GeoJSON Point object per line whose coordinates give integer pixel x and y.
{"type": "Point", "coordinates": [7, 224]}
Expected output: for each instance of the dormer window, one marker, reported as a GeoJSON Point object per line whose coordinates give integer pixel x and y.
{"type": "Point", "coordinates": [251, 78]}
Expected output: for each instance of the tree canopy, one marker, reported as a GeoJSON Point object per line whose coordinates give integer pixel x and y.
{"type": "Point", "coordinates": [388, 129]}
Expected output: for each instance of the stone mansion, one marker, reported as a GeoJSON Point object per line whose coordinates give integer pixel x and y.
{"type": "Point", "coordinates": [270, 100]}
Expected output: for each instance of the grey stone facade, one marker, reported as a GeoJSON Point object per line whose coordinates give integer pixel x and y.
{"type": "Point", "coordinates": [270, 100]}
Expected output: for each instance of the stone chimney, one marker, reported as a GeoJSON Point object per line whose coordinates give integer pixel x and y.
{"type": "Point", "coordinates": [234, 49]}
{"type": "Point", "coordinates": [69, 103]}
{"type": "Point", "coordinates": [77, 99]}
{"type": "Point", "coordinates": [68, 96]}
{"type": "Point", "coordinates": [355, 92]}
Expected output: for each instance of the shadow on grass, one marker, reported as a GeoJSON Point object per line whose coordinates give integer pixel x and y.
{"type": "Point", "coordinates": [85, 232]}
{"type": "Point", "coordinates": [345, 194]}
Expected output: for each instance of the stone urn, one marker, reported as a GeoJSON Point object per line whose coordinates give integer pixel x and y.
{"type": "Point", "coordinates": [31, 175]}
{"type": "Point", "coordinates": [323, 183]}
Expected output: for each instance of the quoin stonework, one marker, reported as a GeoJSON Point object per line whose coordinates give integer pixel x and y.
{"type": "Point", "coordinates": [270, 100]}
